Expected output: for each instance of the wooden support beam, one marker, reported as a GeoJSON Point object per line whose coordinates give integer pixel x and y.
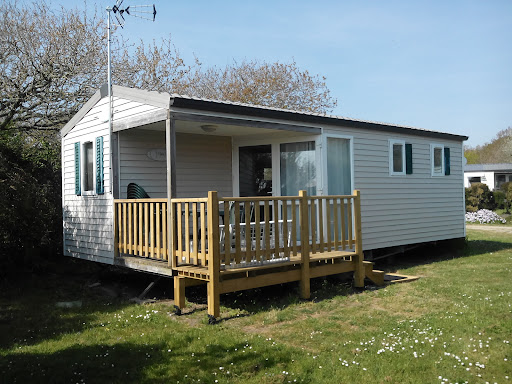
{"type": "Point", "coordinates": [251, 282]}
{"type": "Point", "coordinates": [213, 255]}
{"type": "Point", "coordinates": [179, 291]}
{"type": "Point", "coordinates": [305, 288]}
{"type": "Point", "coordinates": [359, 273]}
{"type": "Point", "coordinates": [170, 147]}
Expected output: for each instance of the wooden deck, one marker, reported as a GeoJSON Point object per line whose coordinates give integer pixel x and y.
{"type": "Point", "coordinates": [240, 243]}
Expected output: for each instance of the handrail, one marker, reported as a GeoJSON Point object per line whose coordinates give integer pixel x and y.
{"type": "Point", "coordinates": [250, 230]}
{"type": "Point", "coordinates": [141, 227]}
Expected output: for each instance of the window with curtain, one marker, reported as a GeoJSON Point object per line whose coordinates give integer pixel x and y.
{"type": "Point", "coordinates": [88, 167]}
{"type": "Point", "coordinates": [338, 166]}
{"type": "Point", "coordinates": [298, 170]}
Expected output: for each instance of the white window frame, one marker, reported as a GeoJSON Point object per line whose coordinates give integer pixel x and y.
{"type": "Point", "coordinates": [392, 142]}
{"type": "Point", "coordinates": [82, 166]}
{"type": "Point", "coordinates": [432, 165]}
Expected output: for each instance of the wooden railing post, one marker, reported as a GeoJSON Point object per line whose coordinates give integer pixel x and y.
{"type": "Point", "coordinates": [171, 233]}
{"type": "Point", "coordinates": [213, 255]}
{"type": "Point", "coordinates": [116, 229]}
{"type": "Point", "coordinates": [305, 289]}
{"type": "Point", "coordinates": [359, 273]}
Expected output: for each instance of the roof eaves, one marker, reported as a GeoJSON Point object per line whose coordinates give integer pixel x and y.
{"type": "Point", "coordinates": [154, 98]}
{"type": "Point", "coordinates": [98, 95]}
{"type": "Point", "coordinates": [181, 101]}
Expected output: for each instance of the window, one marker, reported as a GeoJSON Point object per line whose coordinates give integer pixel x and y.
{"type": "Point", "coordinates": [339, 178]}
{"type": "Point", "coordinates": [473, 180]}
{"type": "Point", "coordinates": [88, 164]}
{"type": "Point", "coordinates": [89, 167]}
{"type": "Point", "coordinates": [501, 179]}
{"type": "Point", "coordinates": [440, 158]}
{"type": "Point", "coordinates": [297, 168]}
{"type": "Point", "coordinates": [400, 158]}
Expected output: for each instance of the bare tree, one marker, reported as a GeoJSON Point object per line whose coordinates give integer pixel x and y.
{"type": "Point", "coordinates": [279, 85]}
{"type": "Point", "coordinates": [51, 62]}
{"type": "Point", "coordinates": [48, 64]}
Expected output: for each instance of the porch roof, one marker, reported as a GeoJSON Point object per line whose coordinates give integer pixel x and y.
{"type": "Point", "coordinates": [188, 108]}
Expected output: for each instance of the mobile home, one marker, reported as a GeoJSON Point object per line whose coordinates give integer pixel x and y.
{"type": "Point", "coordinates": [179, 179]}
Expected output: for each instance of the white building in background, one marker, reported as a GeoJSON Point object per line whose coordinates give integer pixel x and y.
{"type": "Point", "coordinates": [493, 175]}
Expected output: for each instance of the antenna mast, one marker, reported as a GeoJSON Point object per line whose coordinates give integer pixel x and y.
{"type": "Point", "coordinates": [146, 12]}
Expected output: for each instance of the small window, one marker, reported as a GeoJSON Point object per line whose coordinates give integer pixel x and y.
{"type": "Point", "coordinates": [473, 180]}
{"type": "Point", "coordinates": [501, 179]}
{"type": "Point", "coordinates": [396, 157]}
{"type": "Point", "coordinates": [440, 157]}
{"type": "Point", "coordinates": [89, 175]}
{"type": "Point", "coordinates": [88, 164]}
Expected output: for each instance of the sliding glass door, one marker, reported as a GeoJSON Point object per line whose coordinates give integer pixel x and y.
{"type": "Point", "coordinates": [297, 163]}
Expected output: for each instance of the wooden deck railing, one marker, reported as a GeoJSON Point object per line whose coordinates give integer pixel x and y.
{"type": "Point", "coordinates": [214, 237]}
{"type": "Point", "coordinates": [141, 227]}
{"type": "Point", "coordinates": [246, 231]}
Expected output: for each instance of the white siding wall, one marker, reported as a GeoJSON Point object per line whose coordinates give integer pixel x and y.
{"type": "Point", "coordinates": [487, 178]}
{"type": "Point", "coordinates": [87, 219]}
{"type": "Point", "coordinates": [400, 210]}
{"type": "Point", "coordinates": [203, 163]}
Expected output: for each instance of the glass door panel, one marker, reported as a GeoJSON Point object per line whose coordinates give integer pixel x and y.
{"type": "Point", "coordinates": [255, 170]}
{"type": "Point", "coordinates": [297, 166]}
{"type": "Point", "coordinates": [339, 180]}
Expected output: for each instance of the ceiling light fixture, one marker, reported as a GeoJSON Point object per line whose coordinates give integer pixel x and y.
{"type": "Point", "coordinates": [209, 128]}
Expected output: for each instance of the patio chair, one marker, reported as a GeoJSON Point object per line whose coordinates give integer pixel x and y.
{"type": "Point", "coordinates": [135, 191]}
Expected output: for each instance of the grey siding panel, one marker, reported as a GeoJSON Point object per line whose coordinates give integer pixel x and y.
{"type": "Point", "coordinates": [401, 210]}
{"type": "Point", "coordinates": [203, 163]}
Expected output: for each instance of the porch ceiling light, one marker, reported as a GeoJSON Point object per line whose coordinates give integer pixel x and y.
{"type": "Point", "coordinates": [209, 128]}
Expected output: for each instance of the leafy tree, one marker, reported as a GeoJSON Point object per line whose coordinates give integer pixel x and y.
{"type": "Point", "coordinates": [506, 188]}
{"type": "Point", "coordinates": [30, 196]}
{"type": "Point", "coordinates": [478, 196]}
{"type": "Point", "coordinates": [499, 150]}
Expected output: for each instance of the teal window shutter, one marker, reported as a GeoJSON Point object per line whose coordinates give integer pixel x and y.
{"type": "Point", "coordinates": [78, 184]}
{"type": "Point", "coordinates": [408, 159]}
{"type": "Point", "coordinates": [446, 161]}
{"type": "Point", "coordinates": [100, 184]}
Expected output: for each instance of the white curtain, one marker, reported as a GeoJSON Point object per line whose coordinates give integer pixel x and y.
{"type": "Point", "coordinates": [338, 166]}
{"type": "Point", "coordinates": [298, 169]}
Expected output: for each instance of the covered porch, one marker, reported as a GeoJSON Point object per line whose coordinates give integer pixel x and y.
{"type": "Point", "coordinates": [290, 213]}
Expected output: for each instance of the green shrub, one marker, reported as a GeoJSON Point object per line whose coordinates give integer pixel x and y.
{"type": "Point", "coordinates": [506, 189]}
{"type": "Point", "coordinates": [478, 196]}
{"type": "Point", "coordinates": [499, 199]}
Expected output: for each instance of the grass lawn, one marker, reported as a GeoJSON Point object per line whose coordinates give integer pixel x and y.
{"type": "Point", "coordinates": [454, 325]}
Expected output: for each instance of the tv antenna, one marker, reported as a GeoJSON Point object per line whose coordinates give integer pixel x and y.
{"type": "Point", "coordinates": [146, 12]}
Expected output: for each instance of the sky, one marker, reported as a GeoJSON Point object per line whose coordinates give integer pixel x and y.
{"type": "Point", "coordinates": [439, 65]}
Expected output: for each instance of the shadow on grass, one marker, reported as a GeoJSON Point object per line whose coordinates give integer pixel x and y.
{"type": "Point", "coordinates": [179, 358]}
{"type": "Point", "coordinates": [28, 304]}
{"type": "Point", "coordinates": [283, 295]}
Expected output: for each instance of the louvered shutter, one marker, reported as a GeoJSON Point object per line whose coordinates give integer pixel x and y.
{"type": "Point", "coordinates": [100, 185]}
{"type": "Point", "coordinates": [446, 161]}
{"type": "Point", "coordinates": [77, 170]}
{"type": "Point", "coordinates": [408, 159]}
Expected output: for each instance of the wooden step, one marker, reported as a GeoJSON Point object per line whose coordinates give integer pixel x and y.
{"type": "Point", "coordinates": [376, 276]}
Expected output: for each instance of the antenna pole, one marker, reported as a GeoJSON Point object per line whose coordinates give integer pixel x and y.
{"type": "Point", "coordinates": [110, 106]}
